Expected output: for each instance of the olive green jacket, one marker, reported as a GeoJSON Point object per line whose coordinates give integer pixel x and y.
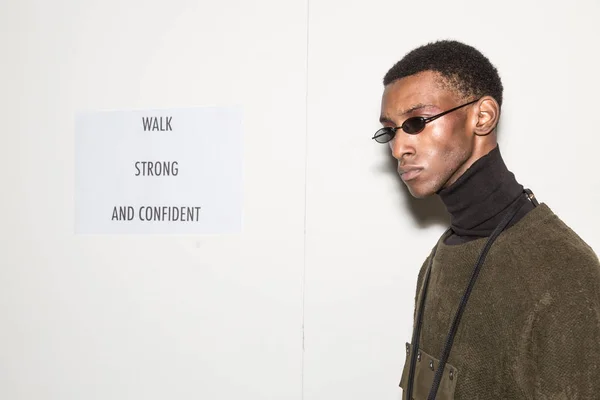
{"type": "Point", "coordinates": [531, 328]}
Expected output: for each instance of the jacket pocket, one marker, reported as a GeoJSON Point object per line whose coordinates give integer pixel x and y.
{"type": "Point", "coordinates": [426, 366]}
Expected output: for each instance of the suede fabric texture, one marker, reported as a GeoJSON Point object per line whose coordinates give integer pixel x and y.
{"type": "Point", "coordinates": [531, 328]}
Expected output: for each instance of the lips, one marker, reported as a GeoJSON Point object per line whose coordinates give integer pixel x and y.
{"type": "Point", "coordinates": [408, 173]}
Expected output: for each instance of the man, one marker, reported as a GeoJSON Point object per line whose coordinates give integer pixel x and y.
{"type": "Point", "coordinates": [508, 302]}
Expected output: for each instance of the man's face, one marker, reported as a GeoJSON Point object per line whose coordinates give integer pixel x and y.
{"type": "Point", "coordinates": [434, 158]}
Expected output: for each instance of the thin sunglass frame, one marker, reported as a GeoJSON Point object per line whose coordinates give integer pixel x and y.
{"type": "Point", "coordinates": [386, 130]}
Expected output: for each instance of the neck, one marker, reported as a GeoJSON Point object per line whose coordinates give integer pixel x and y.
{"type": "Point", "coordinates": [478, 200]}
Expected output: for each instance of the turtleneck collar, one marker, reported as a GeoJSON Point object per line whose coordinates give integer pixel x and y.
{"type": "Point", "coordinates": [479, 198]}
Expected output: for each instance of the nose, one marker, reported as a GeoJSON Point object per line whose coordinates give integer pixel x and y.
{"type": "Point", "coordinates": [402, 145]}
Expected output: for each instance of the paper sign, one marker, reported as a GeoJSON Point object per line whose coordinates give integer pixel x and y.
{"type": "Point", "coordinates": [173, 171]}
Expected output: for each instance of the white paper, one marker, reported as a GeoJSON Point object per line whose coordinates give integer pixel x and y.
{"type": "Point", "coordinates": [173, 171]}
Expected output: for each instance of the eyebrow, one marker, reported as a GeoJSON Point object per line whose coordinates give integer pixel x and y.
{"type": "Point", "coordinates": [414, 108]}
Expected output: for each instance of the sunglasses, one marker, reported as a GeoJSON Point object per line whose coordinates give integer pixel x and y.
{"type": "Point", "coordinates": [411, 126]}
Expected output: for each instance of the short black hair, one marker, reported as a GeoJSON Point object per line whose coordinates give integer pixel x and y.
{"type": "Point", "coordinates": [463, 68]}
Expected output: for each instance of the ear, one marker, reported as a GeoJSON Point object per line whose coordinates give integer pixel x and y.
{"type": "Point", "coordinates": [488, 114]}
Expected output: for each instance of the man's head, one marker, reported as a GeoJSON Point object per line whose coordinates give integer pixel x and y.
{"type": "Point", "coordinates": [430, 80]}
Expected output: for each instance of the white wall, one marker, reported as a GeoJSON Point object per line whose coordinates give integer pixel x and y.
{"type": "Point", "coordinates": [220, 317]}
{"type": "Point", "coordinates": [150, 317]}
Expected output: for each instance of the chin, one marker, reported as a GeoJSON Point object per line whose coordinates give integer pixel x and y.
{"type": "Point", "coordinates": [423, 186]}
{"type": "Point", "coordinates": [420, 192]}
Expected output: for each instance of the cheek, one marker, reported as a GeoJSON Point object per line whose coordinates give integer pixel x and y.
{"type": "Point", "coordinates": [446, 148]}
{"type": "Point", "coordinates": [442, 143]}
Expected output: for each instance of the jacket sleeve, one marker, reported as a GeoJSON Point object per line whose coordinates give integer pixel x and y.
{"type": "Point", "coordinates": [420, 278]}
{"type": "Point", "coordinates": [566, 346]}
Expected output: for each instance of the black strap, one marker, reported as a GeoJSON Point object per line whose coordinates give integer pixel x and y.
{"type": "Point", "coordinates": [513, 210]}
{"type": "Point", "coordinates": [417, 330]}
{"type": "Point", "coordinates": [532, 197]}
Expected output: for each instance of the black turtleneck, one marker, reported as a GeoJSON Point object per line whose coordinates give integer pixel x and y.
{"type": "Point", "coordinates": [480, 198]}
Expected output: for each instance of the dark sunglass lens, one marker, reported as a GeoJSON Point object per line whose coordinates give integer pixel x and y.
{"type": "Point", "coordinates": [413, 125]}
{"type": "Point", "coordinates": [384, 135]}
